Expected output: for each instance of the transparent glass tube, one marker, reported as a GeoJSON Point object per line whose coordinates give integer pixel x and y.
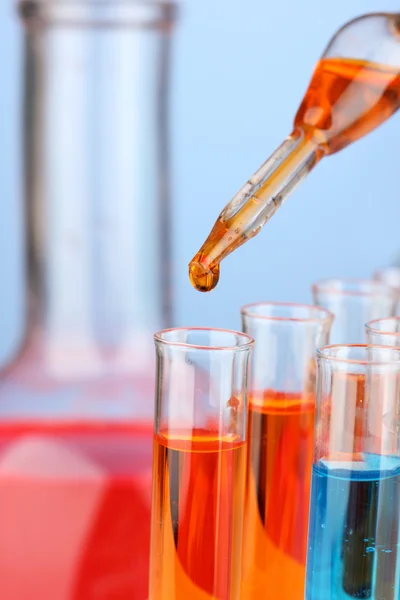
{"type": "Point", "coordinates": [254, 204]}
{"type": "Point", "coordinates": [390, 276]}
{"type": "Point", "coordinates": [354, 532]}
{"type": "Point", "coordinates": [199, 464]}
{"type": "Point", "coordinates": [280, 441]}
{"type": "Point", "coordinates": [384, 331]}
{"type": "Point", "coordinates": [354, 302]}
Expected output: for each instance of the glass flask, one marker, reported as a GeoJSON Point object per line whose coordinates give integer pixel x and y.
{"type": "Point", "coordinates": [354, 302]}
{"type": "Point", "coordinates": [354, 532]}
{"type": "Point", "coordinates": [199, 464]}
{"type": "Point", "coordinates": [281, 402]}
{"type": "Point", "coordinates": [76, 402]}
{"type": "Point", "coordinates": [354, 88]}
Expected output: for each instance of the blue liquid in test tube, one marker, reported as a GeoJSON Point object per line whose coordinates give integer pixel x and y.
{"type": "Point", "coordinates": [354, 532]}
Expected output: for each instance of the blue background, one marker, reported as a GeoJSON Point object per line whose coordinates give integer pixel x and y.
{"type": "Point", "coordinates": [240, 70]}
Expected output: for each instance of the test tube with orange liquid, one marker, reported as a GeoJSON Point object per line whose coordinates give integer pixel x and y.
{"type": "Point", "coordinates": [199, 464]}
{"type": "Point", "coordinates": [280, 444]}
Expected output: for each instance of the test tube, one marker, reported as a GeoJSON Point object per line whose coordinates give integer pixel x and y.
{"type": "Point", "coordinates": [199, 464]}
{"type": "Point", "coordinates": [354, 302]}
{"type": "Point", "coordinates": [384, 331]}
{"type": "Point", "coordinates": [390, 276]}
{"type": "Point", "coordinates": [354, 534]}
{"type": "Point", "coordinates": [280, 442]}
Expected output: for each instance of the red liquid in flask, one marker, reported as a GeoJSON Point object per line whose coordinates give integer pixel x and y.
{"type": "Point", "coordinates": [75, 511]}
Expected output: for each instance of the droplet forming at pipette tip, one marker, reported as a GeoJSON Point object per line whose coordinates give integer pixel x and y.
{"type": "Point", "coordinates": [203, 279]}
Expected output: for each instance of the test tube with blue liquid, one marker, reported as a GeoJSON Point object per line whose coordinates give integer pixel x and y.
{"type": "Point", "coordinates": [354, 531]}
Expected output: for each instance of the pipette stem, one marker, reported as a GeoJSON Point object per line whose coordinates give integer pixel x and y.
{"type": "Point", "coordinates": [260, 197]}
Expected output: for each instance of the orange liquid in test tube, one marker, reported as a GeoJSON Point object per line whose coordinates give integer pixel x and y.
{"type": "Point", "coordinates": [280, 434]}
{"type": "Point", "coordinates": [197, 515]}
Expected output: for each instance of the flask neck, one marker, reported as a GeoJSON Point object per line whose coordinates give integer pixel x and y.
{"type": "Point", "coordinates": [96, 185]}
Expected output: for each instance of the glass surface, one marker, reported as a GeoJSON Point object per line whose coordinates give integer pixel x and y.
{"type": "Point", "coordinates": [354, 302]}
{"type": "Point", "coordinates": [76, 403]}
{"type": "Point", "coordinates": [390, 276]}
{"type": "Point", "coordinates": [199, 464]}
{"type": "Point", "coordinates": [280, 441]}
{"type": "Point", "coordinates": [385, 332]}
{"type": "Point", "coordinates": [354, 533]}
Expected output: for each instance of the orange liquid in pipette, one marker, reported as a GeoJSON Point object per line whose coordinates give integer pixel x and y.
{"type": "Point", "coordinates": [198, 492]}
{"type": "Point", "coordinates": [280, 446]}
{"type": "Point", "coordinates": [346, 99]}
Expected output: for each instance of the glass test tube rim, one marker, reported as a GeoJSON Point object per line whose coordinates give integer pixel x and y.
{"type": "Point", "coordinates": [246, 343]}
{"type": "Point", "coordinates": [326, 353]}
{"type": "Point", "coordinates": [326, 316]}
{"type": "Point", "coordinates": [370, 326]}
{"type": "Point", "coordinates": [358, 287]}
